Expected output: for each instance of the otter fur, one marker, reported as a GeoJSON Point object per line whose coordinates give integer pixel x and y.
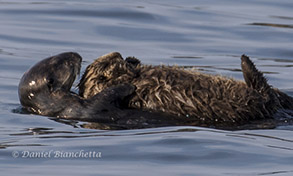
{"type": "Point", "coordinates": [189, 95]}
{"type": "Point", "coordinates": [45, 90]}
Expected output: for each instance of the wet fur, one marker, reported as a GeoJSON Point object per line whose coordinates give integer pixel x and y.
{"type": "Point", "coordinates": [45, 89]}
{"type": "Point", "coordinates": [187, 94]}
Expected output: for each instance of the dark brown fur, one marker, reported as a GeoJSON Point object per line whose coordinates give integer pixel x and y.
{"type": "Point", "coordinates": [187, 94]}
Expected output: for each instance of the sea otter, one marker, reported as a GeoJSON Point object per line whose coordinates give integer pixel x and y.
{"type": "Point", "coordinates": [45, 89]}
{"type": "Point", "coordinates": [187, 94]}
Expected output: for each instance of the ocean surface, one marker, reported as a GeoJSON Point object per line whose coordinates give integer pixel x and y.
{"type": "Point", "coordinates": [209, 35]}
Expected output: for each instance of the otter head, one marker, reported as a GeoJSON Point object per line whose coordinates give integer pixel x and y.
{"type": "Point", "coordinates": [106, 71]}
{"type": "Point", "coordinates": [38, 86]}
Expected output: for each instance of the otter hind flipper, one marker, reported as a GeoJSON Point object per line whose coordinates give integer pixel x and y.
{"type": "Point", "coordinates": [252, 76]}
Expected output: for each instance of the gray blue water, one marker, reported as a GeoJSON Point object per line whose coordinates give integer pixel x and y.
{"type": "Point", "coordinates": [208, 34]}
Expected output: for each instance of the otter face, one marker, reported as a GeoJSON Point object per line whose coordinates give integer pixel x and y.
{"type": "Point", "coordinates": [38, 85]}
{"type": "Point", "coordinates": [108, 70]}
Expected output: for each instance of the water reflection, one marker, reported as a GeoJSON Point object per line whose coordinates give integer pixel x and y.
{"type": "Point", "coordinates": [272, 25]}
{"type": "Point", "coordinates": [276, 60]}
{"type": "Point", "coordinates": [283, 17]}
{"type": "Point", "coordinates": [80, 12]}
{"type": "Point", "coordinates": [6, 145]}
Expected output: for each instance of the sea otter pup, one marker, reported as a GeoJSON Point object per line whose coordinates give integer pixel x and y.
{"type": "Point", "coordinates": [187, 94]}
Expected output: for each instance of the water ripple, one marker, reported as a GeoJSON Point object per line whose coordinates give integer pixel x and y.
{"type": "Point", "coordinates": [272, 25]}
{"type": "Point", "coordinates": [106, 13]}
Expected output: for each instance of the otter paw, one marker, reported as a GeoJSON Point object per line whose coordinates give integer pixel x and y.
{"type": "Point", "coordinates": [114, 94]}
{"type": "Point", "coordinates": [123, 90]}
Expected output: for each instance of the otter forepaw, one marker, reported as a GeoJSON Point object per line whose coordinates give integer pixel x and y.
{"type": "Point", "coordinates": [123, 90]}
{"type": "Point", "coordinates": [115, 94]}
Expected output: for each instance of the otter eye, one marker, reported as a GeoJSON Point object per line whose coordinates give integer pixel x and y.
{"type": "Point", "coordinates": [50, 84]}
{"type": "Point", "coordinates": [50, 81]}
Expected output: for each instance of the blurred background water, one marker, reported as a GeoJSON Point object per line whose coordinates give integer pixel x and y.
{"type": "Point", "coordinates": [206, 34]}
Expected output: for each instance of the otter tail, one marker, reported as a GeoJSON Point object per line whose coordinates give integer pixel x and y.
{"type": "Point", "coordinates": [253, 77]}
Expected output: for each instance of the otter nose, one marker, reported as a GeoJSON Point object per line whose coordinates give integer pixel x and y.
{"type": "Point", "coordinates": [76, 56]}
{"type": "Point", "coordinates": [72, 56]}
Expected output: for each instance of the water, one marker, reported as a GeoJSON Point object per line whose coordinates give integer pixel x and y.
{"type": "Point", "coordinates": [210, 35]}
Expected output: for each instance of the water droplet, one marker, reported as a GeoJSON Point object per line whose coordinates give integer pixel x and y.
{"type": "Point", "coordinates": [32, 83]}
